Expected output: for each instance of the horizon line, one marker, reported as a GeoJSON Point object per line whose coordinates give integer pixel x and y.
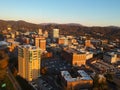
{"type": "Point", "coordinates": [60, 23]}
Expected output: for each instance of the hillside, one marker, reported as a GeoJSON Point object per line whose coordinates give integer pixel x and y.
{"type": "Point", "coordinates": [110, 32]}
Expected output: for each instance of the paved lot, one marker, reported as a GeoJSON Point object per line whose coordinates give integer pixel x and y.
{"type": "Point", "coordinates": [48, 82]}
{"type": "Point", "coordinates": [45, 83]}
{"type": "Point", "coordinates": [55, 65]}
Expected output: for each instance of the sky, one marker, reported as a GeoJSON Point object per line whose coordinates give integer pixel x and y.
{"type": "Point", "coordinates": [85, 12]}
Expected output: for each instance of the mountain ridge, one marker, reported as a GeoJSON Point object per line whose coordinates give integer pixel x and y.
{"type": "Point", "coordinates": [70, 24]}
{"type": "Point", "coordinates": [109, 32]}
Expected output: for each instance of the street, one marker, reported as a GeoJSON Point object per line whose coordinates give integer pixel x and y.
{"type": "Point", "coordinates": [13, 80]}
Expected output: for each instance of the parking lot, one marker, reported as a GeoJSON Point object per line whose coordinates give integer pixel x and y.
{"type": "Point", "coordinates": [45, 83]}
{"type": "Point", "coordinates": [55, 65]}
{"type": "Point", "coordinates": [48, 82]}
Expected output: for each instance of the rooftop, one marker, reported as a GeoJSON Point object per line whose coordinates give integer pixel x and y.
{"type": "Point", "coordinates": [3, 43]}
{"type": "Point", "coordinates": [112, 54]}
{"type": "Point", "coordinates": [74, 51]}
{"type": "Point", "coordinates": [29, 47]}
{"type": "Point", "coordinates": [82, 76]}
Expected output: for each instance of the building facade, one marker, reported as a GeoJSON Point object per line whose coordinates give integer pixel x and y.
{"type": "Point", "coordinates": [29, 61]}
{"type": "Point", "coordinates": [88, 43]}
{"type": "Point", "coordinates": [40, 32]}
{"type": "Point", "coordinates": [74, 57]}
{"type": "Point", "coordinates": [55, 33]}
{"type": "Point", "coordinates": [45, 34]}
{"type": "Point", "coordinates": [72, 82]}
{"type": "Point", "coordinates": [40, 42]}
{"type": "Point", "coordinates": [110, 57]}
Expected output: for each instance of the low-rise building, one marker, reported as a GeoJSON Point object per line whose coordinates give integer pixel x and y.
{"type": "Point", "coordinates": [88, 43]}
{"type": "Point", "coordinates": [102, 66]}
{"type": "Point", "coordinates": [89, 55]}
{"type": "Point", "coordinates": [96, 42]}
{"type": "Point", "coordinates": [3, 45]}
{"type": "Point", "coordinates": [110, 57]}
{"type": "Point", "coordinates": [12, 35]}
{"type": "Point", "coordinates": [74, 57]}
{"type": "Point", "coordinates": [13, 45]}
{"type": "Point", "coordinates": [76, 80]}
{"type": "Point", "coordinates": [9, 40]}
{"type": "Point", "coordinates": [61, 40]}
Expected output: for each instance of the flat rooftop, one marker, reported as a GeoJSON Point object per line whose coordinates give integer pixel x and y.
{"type": "Point", "coordinates": [3, 43]}
{"type": "Point", "coordinates": [74, 51]}
{"type": "Point", "coordinates": [29, 47]}
{"type": "Point", "coordinates": [82, 76]}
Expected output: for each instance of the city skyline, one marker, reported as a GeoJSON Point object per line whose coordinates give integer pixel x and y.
{"type": "Point", "coordinates": [85, 12]}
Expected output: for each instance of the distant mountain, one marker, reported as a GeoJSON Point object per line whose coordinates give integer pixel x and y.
{"type": "Point", "coordinates": [17, 25]}
{"type": "Point", "coordinates": [110, 32]}
{"type": "Point", "coordinates": [69, 24]}
{"type": "Point", "coordinates": [74, 24]}
{"type": "Point", "coordinates": [113, 27]}
{"type": "Point", "coordinates": [48, 24]}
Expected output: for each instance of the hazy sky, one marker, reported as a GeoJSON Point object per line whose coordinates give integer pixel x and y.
{"type": "Point", "coordinates": [86, 12]}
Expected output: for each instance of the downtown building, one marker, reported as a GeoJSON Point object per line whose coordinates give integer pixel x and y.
{"type": "Point", "coordinates": [74, 57]}
{"type": "Point", "coordinates": [29, 61]}
{"type": "Point", "coordinates": [40, 42]}
{"type": "Point", "coordinates": [88, 43]}
{"type": "Point", "coordinates": [55, 33]}
{"type": "Point", "coordinates": [75, 80]}
{"type": "Point", "coordinates": [110, 57]}
{"type": "Point", "coordinates": [39, 32]}
{"type": "Point", "coordinates": [62, 40]}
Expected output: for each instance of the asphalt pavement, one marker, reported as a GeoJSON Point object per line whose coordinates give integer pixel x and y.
{"type": "Point", "coordinates": [13, 80]}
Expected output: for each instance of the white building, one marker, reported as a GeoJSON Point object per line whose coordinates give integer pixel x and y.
{"type": "Point", "coordinates": [55, 33]}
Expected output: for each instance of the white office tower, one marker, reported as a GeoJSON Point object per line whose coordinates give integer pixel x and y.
{"type": "Point", "coordinates": [40, 32]}
{"type": "Point", "coordinates": [55, 33]}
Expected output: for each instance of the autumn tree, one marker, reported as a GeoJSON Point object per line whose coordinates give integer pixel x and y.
{"type": "Point", "coordinates": [100, 83]}
{"type": "Point", "coordinates": [3, 64]}
{"type": "Point", "coordinates": [44, 70]}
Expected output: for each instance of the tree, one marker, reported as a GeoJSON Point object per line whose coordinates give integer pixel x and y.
{"type": "Point", "coordinates": [100, 83]}
{"type": "Point", "coordinates": [109, 77]}
{"type": "Point", "coordinates": [44, 70]}
{"type": "Point", "coordinates": [3, 64]}
{"type": "Point", "coordinates": [1, 37]}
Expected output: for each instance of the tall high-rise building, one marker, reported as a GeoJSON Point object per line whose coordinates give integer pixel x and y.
{"type": "Point", "coordinates": [55, 33]}
{"type": "Point", "coordinates": [40, 31]}
{"type": "Point", "coordinates": [40, 42]}
{"type": "Point", "coordinates": [29, 61]}
{"type": "Point", "coordinates": [45, 34]}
